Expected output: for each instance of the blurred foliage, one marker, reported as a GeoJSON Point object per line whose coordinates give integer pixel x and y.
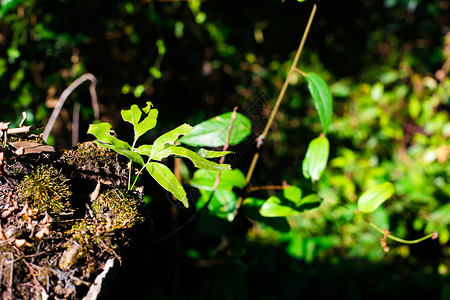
{"type": "Point", "coordinates": [387, 65]}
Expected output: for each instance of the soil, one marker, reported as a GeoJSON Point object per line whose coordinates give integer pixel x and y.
{"type": "Point", "coordinates": [66, 216]}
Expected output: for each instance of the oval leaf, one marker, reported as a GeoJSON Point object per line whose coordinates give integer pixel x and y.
{"type": "Point", "coordinates": [164, 176]}
{"type": "Point", "coordinates": [316, 158]}
{"type": "Point", "coordinates": [213, 132]}
{"type": "Point", "coordinates": [322, 99]}
{"type": "Point", "coordinates": [372, 198]}
{"type": "Point", "coordinates": [205, 179]}
{"type": "Point", "coordinates": [273, 208]}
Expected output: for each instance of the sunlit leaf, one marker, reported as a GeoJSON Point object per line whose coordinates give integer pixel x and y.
{"type": "Point", "coordinates": [164, 176]}
{"type": "Point", "coordinates": [212, 154]}
{"type": "Point", "coordinates": [101, 132]}
{"type": "Point", "coordinates": [132, 115]}
{"type": "Point", "coordinates": [170, 137]}
{"type": "Point", "coordinates": [213, 132]}
{"type": "Point", "coordinates": [322, 99]}
{"type": "Point", "coordinates": [273, 208]}
{"type": "Point", "coordinates": [198, 160]}
{"type": "Point", "coordinates": [316, 158]}
{"type": "Point", "coordinates": [374, 197]}
{"type": "Point", "coordinates": [125, 152]}
{"type": "Point", "coordinates": [146, 124]}
{"type": "Point", "coordinates": [204, 179]}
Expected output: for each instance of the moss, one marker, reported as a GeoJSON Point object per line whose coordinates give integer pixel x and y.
{"type": "Point", "coordinates": [117, 209]}
{"type": "Point", "coordinates": [90, 157]}
{"type": "Point", "coordinates": [46, 189]}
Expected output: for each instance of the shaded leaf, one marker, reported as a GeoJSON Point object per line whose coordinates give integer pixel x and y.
{"type": "Point", "coordinates": [213, 132]}
{"type": "Point", "coordinates": [322, 99]}
{"type": "Point", "coordinates": [164, 176]}
{"type": "Point", "coordinates": [374, 197]}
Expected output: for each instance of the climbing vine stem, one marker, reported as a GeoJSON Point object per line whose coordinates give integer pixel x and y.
{"type": "Point", "coordinates": [433, 235]}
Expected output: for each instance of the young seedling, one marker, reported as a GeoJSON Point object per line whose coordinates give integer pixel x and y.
{"type": "Point", "coordinates": [164, 146]}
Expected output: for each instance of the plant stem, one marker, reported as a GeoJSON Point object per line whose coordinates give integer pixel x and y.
{"type": "Point", "coordinates": [281, 95]}
{"type": "Point", "coordinates": [293, 68]}
{"type": "Point", "coordinates": [431, 235]}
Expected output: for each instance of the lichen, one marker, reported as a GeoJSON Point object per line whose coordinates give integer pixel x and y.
{"type": "Point", "coordinates": [116, 209]}
{"type": "Point", "coordinates": [46, 189]}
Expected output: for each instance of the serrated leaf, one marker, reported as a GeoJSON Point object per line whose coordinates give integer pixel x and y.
{"type": "Point", "coordinates": [213, 132]}
{"type": "Point", "coordinates": [198, 160]}
{"type": "Point", "coordinates": [316, 158]}
{"type": "Point", "coordinates": [164, 176]}
{"type": "Point", "coordinates": [322, 99]}
{"type": "Point", "coordinates": [169, 138]}
{"type": "Point", "coordinates": [212, 154]}
{"type": "Point", "coordinates": [205, 179]}
{"type": "Point", "coordinates": [374, 197]}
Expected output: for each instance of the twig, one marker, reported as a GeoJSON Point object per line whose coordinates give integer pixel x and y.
{"type": "Point", "coordinates": [266, 187]}
{"type": "Point", "coordinates": [65, 94]}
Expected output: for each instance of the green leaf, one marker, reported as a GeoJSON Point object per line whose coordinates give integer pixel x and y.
{"type": "Point", "coordinates": [132, 115]}
{"type": "Point", "coordinates": [101, 132]}
{"type": "Point", "coordinates": [273, 208]}
{"type": "Point", "coordinates": [148, 123]}
{"type": "Point", "coordinates": [164, 176]}
{"type": "Point", "coordinates": [144, 150]}
{"type": "Point", "coordinates": [322, 99]}
{"type": "Point", "coordinates": [105, 139]}
{"type": "Point", "coordinates": [169, 138]}
{"type": "Point", "coordinates": [212, 154]}
{"type": "Point", "coordinates": [8, 5]}
{"type": "Point", "coordinates": [127, 153]}
{"type": "Point", "coordinates": [374, 197]}
{"type": "Point", "coordinates": [222, 205]}
{"type": "Point", "coordinates": [316, 158]}
{"type": "Point", "coordinates": [205, 179]}
{"type": "Point", "coordinates": [293, 194]}
{"type": "Point", "coordinates": [213, 132]}
{"type": "Point", "coordinates": [251, 208]}
{"type": "Point", "coordinates": [198, 160]}
{"type": "Point", "coordinates": [289, 203]}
